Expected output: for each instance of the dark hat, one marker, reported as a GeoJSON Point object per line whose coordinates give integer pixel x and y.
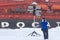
{"type": "Point", "coordinates": [43, 18]}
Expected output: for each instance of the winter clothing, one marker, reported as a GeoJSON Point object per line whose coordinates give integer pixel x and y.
{"type": "Point", "coordinates": [44, 28]}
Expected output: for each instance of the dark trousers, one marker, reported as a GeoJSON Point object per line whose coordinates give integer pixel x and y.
{"type": "Point", "coordinates": [45, 32]}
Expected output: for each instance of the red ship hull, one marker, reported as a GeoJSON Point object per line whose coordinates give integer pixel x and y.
{"type": "Point", "coordinates": [7, 6]}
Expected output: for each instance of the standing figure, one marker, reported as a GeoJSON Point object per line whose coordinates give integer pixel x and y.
{"type": "Point", "coordinates": [44, 28]}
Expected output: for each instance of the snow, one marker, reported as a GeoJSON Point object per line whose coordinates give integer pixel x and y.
{"type": "Point", "coordinates": [22, 34]}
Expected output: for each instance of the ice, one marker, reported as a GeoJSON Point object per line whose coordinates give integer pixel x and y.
{"type": "Point", "coordinates": [22, 34]}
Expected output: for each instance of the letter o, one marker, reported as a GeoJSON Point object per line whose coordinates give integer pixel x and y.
{"type": "Point", "coordinates": [21, 26]}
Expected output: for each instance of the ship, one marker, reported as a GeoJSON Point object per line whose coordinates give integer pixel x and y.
{"type": "Point", "coordinates": [13, 11]}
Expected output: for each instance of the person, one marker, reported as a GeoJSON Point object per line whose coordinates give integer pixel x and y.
{"type": "Point", "coordinates": [44, 28]}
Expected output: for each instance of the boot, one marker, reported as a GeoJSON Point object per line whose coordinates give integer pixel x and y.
{"type": "Point", "coordinates": [45, 39]}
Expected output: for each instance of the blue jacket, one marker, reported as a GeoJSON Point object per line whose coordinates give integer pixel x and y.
{"type": "Point", "coordinates": [44, 25]}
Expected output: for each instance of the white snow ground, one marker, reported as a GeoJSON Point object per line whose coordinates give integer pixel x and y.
{"type": "Point", "coordinates": [22, 34]}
